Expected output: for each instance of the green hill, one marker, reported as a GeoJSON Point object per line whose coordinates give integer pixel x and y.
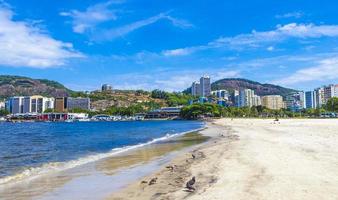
{"type": "Point", "coordinates": [20, 85]}
{"type": "Point", "coordinates": [260, 89]}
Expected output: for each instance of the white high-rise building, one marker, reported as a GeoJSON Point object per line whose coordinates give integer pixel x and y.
{"type": "Point", "coordinates": [196, 89]}
{"type": "Point", "coordinates": [319, 97]}
{"type": "Point", "coordinates": [247, 98]}
{"type": "Point", "coordinates": [256, 100]}
{"type": "Point", "coordinates": [205, 86]}
{"type": "Point", "coordinates": [329, 92]}
{"type": "Point", "coordinates": [29, 104]}
{"type": "Point", "coordinates": [221, 94]}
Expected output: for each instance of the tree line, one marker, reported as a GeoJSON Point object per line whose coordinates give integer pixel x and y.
{"type": "Point", "coordinates": [198, 110]}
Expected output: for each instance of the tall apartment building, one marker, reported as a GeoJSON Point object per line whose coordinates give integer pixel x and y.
{"type": "Point", "coordinates": [247, 98]}
{"type": "Point", "coordinates": [274, 102]}
{"type": "Point", "coordinates": [221, 94]}
{"type": "Point", "coordinates": [202, 88]}
{"type": "Point", "coordinates": [82, 103]}
{"type": "Point", "coordinates": [196, 89]}
{"type": "Point", "coordinates": [336, 90]}
{"type": "Point", "coordinates": [256, 100]}
{"type": "Point", "coordinates": [310, 99]}
{"type": "Point", "coordinates": [295, 101]}
{"type": "Point", "coordinates": [319, 97]}
{"type": "Point", "coordinates": [329, 92]}
{"type": "Point", "coordinates": [205, 86]}
{"type": "Point", "coordinates": [235, 98]}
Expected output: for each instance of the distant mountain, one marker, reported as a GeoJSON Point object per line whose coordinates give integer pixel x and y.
{"type": "Point", "coordinates": [19, 85]}
{"type": "Point", "coordinates": [260, 89]}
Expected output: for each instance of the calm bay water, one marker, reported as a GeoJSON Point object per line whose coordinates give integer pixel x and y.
{"type": "Point", "coordinates": [32, 145]}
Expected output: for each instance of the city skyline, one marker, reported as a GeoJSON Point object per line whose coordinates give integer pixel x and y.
{"type": "Point", "coordinates": [123, 43]}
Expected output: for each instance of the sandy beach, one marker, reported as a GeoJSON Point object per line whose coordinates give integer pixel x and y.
{"type": "Point", "coordinates": [251, 159]}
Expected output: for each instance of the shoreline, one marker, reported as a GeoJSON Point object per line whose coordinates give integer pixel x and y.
{"type": "Point", "coordinates": [170, 178]}
{"type": "Point", "coordinates": [255, 159]}
{"type": "Point", "coordinates": [158, 150]}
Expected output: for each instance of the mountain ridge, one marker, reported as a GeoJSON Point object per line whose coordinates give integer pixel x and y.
{"type": "Point", "coordinates": [12, 85]}
{"type": "Point", "coordinates": [260, 89]}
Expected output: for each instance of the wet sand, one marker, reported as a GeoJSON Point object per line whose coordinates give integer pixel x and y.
{"type": "Point", "coordinates": [104, 174]}
{"type": "Point", "coordinates": [251, 159]}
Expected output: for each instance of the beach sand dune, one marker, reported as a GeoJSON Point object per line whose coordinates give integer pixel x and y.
{"type": "Point", "coordinates": [252, 159]}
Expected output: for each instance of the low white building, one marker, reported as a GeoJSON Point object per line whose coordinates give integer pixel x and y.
{"type": "Point", "coordinates": [29, 104]}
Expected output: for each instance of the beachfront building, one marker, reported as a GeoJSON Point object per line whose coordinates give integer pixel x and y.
{"type": "Point", "coordinates": [295, 101]}
{"type": "Point", "coordinates": [14, 105]}
{"type": "Point", "coordinates": [329, 92]}
{"type": "Point", "coordinates": [319, 97]}
{"type": "Point", "coordinates": [205, 86]}
{"type": "Point", "coordinates": [256, 100]}
{"type": "Point", "coordinates": [81, 103]}
{"type": "Point", "coordinates": [196, 89]}
{"type": "Point", "coordinates": [247, 98]}
{"type": "Point", "coordinates": [274, 102]}
{"type": "Point", "coordinates": [166, 112]}
{"type": "Point", "coordinates": [202, 88]}
{"type": "Point", "coordinates": [29, 104]}
{"type": "Point", "coordinates": [235, 98]}
{"type": "Point", "coordinates": [221, 94]}
{"type": "Point", "coordinates": [37, 104]}
{"type": "Point", "coordinates": [310, 99]}
{"type": "Point", "coordinates": [60, 104]}
{"type": "Point", "coordinates": [106, 87]}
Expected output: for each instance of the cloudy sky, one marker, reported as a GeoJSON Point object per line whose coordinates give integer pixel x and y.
{"type": "Point", "coordinates": [150, 44]}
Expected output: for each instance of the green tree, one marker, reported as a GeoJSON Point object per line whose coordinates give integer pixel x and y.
{"type": "Point", "coordinates": [3, 112]}
{"type": "Point", "coordinates": [332, 104]}
{"type": "Point", "coordinates": [49, 110]}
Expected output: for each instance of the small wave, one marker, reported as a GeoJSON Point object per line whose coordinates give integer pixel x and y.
{"type": "Point", "coordinates": [61, 166]}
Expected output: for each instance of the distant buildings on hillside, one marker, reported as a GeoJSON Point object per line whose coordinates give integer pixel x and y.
{"type": "Point", "coordinates": [295, 101]}
{"type": "Point", "coordinates": [201, 88]}
{"type": "Point", "coordinates": [106, 87]}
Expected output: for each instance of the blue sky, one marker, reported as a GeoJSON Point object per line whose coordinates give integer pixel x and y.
{"type": "Point", "coordinates": [146, 44]}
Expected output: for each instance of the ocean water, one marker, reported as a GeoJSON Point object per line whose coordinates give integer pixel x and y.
{"type": "Point", "coordinates": [27, 149]}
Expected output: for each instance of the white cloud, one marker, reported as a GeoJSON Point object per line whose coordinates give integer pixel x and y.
{"type": "Point", "coordinates": [270, 48]}
{"type": "Point", "coordinates": [177, 52]}
{"type": "Point", "coordinates": [23, 44]}
{"type": "Point", "coordinates": [179, 22]}
{"type": "Point", "coordinates": [326, 69]}
{"type": "Point", "coordinates": [257, 39]}
{"type": "Point", "coordinates": [94, 15]}
{"type": "Point", "coordinates": [126, 29]}
{"type": "Point", "coordinates": [296, 15]}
